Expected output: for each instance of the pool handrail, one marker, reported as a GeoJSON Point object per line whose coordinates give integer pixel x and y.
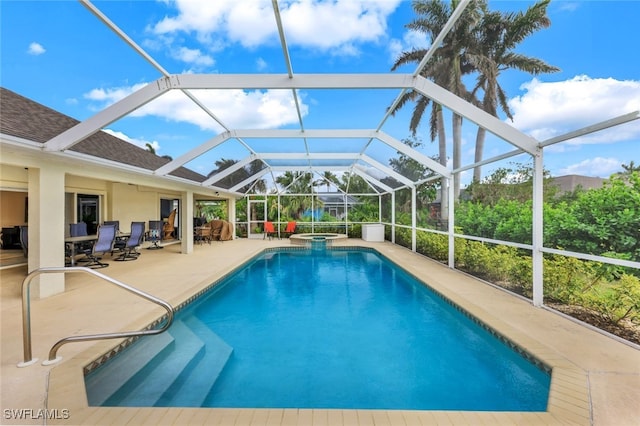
{"type": "Point", "coordinates": [53, 358]}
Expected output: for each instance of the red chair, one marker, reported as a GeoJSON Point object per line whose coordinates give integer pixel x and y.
{"type": "Point", "coordinates": [269, 230]}
{"type": "Point", "coordinates": [291, 228]}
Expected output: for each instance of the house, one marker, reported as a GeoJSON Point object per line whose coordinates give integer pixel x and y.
{"type": "Point", "coordinates": [336, 203]}
{"type": "Point", "coordinates": [570, 183]}
{"type": "Point", "coordinates": [100, 178]}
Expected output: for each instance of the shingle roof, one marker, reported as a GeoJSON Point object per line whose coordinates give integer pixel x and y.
{"type": "Point", "coordinates": [27, 119]}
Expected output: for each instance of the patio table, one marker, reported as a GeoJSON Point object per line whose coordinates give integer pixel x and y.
{"type": "Point", "coordinates": [73, 242]}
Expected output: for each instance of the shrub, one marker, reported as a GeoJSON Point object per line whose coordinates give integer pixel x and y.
{"type": "Point", "coordinates": [616, 301]}
{"type": "Point", "coordinates": [436, 246]}
{"type": "Point", "coordinates": [566, 279]}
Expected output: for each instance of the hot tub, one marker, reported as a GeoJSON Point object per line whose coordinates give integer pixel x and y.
{"type": "Point", "coordinates": [303, 239]}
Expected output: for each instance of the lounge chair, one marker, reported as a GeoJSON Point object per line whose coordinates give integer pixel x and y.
{"type": "Point", "coordinates": [290, 229]}
{"type": "Point", "coordinates": [168, 229]}
{"type": "Point", "coordinates": [104, 244]}
{"type": "Point", "coordinates": [129, 251]}
{"type": "Point", "coordinates": [269, 230]}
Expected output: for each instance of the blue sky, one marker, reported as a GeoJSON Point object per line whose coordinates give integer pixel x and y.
{"type": "Point", "coordinates": [61, 55]}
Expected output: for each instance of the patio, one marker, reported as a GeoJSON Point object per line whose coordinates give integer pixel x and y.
{"type": "Point", "coordinates": [596, 380]}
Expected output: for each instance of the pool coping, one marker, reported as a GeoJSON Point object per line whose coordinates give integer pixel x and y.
{"type": "Point", "coordinates": [568, 401]}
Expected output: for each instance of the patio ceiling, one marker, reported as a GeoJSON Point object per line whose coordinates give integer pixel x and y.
{"type": "Point", "coordinates": [274, 151]}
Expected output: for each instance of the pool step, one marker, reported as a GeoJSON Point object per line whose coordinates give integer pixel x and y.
{"type": "Point", "coordinates": [105, 381]}
{"type": "Point", "coordinates": [198, 382]}
{"type": "Point", "coordinates": [148, 387]}
{"type": "Point", "coordinates": [175, 368]}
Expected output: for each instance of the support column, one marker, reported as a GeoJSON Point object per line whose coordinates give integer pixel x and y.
{"type": "Point", "coordinates": [231, 215]}
{"type": "Point", "coordinates": [186, 218]}
{"type": "Point", "coordinates": [46, 228]}
{"type": "Point", "coordinates": [393, 217]}
{"type": "Point", "coordinates": [538, 227]}
{"type": "Point", "coordinates": [413, 219]}
{"type": "Point", "coordinates": [451, 217]}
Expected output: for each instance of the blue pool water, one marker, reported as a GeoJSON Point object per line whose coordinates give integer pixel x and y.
{"type": "Point", "coordinates": [322, 329]}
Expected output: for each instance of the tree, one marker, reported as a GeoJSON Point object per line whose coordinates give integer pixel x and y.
{"type": "Point", "coordinates": [510, 184]}
{"type": "Point", "coordinates": [327, 179]}
{"type": "Point", "coordinates": [222, 164]}
{"type": "Point", "coordinates": [259, 186]}
{"type": "Point", "coordinates": [295, 183]}
{"type": "Point", "coordinates": [446, 68]}
{"type": "Point", "coordinates": [601, 221]}
{"type": "Point", "coordinates": [354, 184]}
{"type": "Point", "coordinates": [497, 36]}
{"type": "Point", "coordinates": [630, 168]}
{"type": "Point", "coordinates": [414, 171]}
{"type": "Point", "coordinates": [237, 176]}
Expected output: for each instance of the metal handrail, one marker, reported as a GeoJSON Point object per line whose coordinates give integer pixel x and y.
{"type": "Point", "coordinates": [26, 315]}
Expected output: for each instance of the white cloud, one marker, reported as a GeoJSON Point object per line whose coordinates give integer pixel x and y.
{"type": "Point", "coordinates": [36, 49]}
{"type": "Point", "coordinates": [546, 110]}
{"type": "Point", "coordinates": [410, 40]}
{"type": "Point", "coordinates": [111, 95]}
{"type": "Point", "coordinates": [599, 166]}
{"type": "Point", "coordinates": [142, 143]}
{"type": "Point", "coordinates": [568, 6]}
{"type": "Point", "coordinates": [236, 108]}
{"type": "Point", "coordinates": [193, 56]}
{"type": "Point", "coordinates": [261, 64]}
{"type": "Point", "coordinates": [335, 26]}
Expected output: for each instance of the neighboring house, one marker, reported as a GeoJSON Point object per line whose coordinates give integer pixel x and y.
{"type": "Point", "coordinates": [334, 203]}
{"type": "Point", "coordinates": [570, 183]}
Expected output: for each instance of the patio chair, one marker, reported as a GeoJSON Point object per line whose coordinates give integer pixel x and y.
{"type": "Point", "coordinates": [24, 240]}
{"type": "Point", "coordinates": [203, 233]}
{"type": "Point", "coordinates": [290, 229]}
{"type": "Point", "coordinates": [168, 228]}
{"type": "Point", "coordinates": [120, 241]}
{"type": "Point", "coordinates": [129, 251]}
{"type": "Point", "coordinates": [104, 244]}
{"type": "Point", "coordinates": [269, 230]}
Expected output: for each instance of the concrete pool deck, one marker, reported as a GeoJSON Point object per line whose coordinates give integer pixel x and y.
{"type": "Point", "coordinates": [596, 379]}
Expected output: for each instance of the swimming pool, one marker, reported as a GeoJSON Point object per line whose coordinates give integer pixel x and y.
{"type": "Point", "coordinates": [340, 328]}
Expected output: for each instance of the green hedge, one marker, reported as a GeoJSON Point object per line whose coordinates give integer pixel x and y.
{"type": "Point", "coordinates": [603, 289]}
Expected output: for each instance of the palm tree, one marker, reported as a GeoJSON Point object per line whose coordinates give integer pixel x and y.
{"type": "Point", "coordinates": [239, 175]}
{"type": "Point", "coordinates": [295, 183]}
{"type": "Point", "coordinates": [630, 168]}
{"type": "Point", "coordinates": [354, 184]}
{"type": "Point", "coordinates": [446, 68]}
{"type": "Point", "coordinates": [259, 186]}
{"type": "Point", "coordinates": [221, 165]}
{"type": "Point", "coordinates": [498, 34]}
{"type": "Point", "coordinates": [327, 179]}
